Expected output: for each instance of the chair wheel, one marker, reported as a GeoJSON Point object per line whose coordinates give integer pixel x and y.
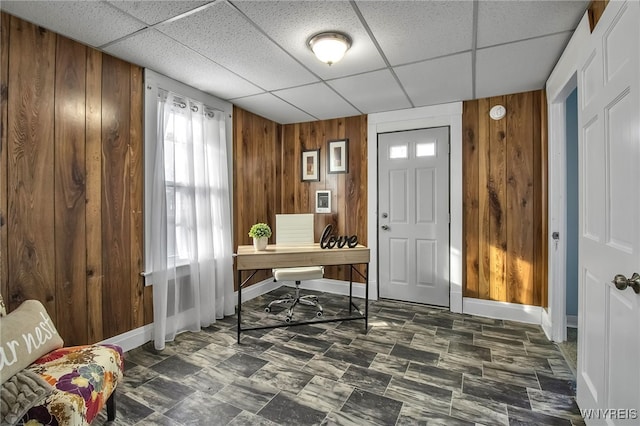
{"type": "Point", "coordinates": [287, 319]}
{"type": "Point", "coordinates": [267, 309]}
{"type": "Point", "coordinates": [319, 313]}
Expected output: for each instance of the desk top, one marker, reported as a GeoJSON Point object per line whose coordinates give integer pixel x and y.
{"type": "Point", "coordinates": [286, 256]}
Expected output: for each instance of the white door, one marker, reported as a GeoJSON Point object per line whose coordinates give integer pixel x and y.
{"type": "Point", "coordinates": [413, 222]}
{"type": "Point", "coordinates": [609, 121]}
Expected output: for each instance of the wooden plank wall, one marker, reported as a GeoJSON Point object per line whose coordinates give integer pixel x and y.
{"type": "Point", "coordinates": [267, 176]}
{"type": "Point", "coordinates": [504, 199]}
{"type": "Point", "coordinates": [595, 11]}
{"type": "Point", "coordinates": [71, 183]}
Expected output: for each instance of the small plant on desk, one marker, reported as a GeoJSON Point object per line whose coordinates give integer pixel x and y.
{"type": "Point", "coordinates": [260, 232]}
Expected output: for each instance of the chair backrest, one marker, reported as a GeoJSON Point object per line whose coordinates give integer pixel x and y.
{"type": "Point", "coordinates": [294, 229]}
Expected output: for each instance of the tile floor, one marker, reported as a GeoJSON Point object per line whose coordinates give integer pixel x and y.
{"type": "Point", "coordinates": [416, 364]}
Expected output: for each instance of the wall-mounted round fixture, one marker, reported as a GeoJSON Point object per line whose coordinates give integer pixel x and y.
{"type": "Point", "coordinates": [497, 112]}
{"type": "Point", "coordinates": [329, 47]}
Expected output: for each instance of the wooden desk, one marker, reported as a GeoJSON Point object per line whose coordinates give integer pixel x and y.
{"type": "Point", "coordinates": [287, 256]}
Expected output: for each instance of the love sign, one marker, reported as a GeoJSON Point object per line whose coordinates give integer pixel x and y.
{"type": "Point", "coordinates": [329, 241]}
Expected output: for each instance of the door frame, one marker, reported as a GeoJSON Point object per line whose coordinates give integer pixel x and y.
{"type": "Point", "coordinates": [561, 82]}
{"type": "Point", "coordinates": [410, 119]}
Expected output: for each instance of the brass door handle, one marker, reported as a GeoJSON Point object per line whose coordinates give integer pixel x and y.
{"type": "Point", "coordinates": [621, 282]}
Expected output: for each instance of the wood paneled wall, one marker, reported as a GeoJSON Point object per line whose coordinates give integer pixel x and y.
{"type": "Point", "coordinates": [267, 176]}
{"type": "Point", "coordinates": [595, 11]}
{"type": "Point", "coordinates": [71, 183]}
{"type": "Point", "coordinates": [504, 199]}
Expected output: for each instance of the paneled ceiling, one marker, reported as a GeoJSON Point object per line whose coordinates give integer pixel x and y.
{"type": "Point", "coordinates": [404, 54]}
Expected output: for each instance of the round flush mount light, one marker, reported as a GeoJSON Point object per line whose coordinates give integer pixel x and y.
{"type": "Point", "coordinates": [329, 47]}
{"type": "Point", "coordinates": [497, 112]}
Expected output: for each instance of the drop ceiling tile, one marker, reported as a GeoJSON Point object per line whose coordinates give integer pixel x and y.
{"type": "Point", "coordinates": [372, 92]}
{"type": "Point", "coordinates": [153, 12]}
{"type": "Point", "coordinates": [438, 81]}
{"type": "Point", "coordinates": [268, 106]}
{"type": "Point", "coordinates": [506, 21]}
{"type": "Point", "coordinates": [154, 50]}
{"type": "Point", "coordinates": [292, 23]}
{"type": "Point", "coordinates": [517, 67]}
{"type": "Point", "coordinates": [410, 31]}
{"type": "Point", "coordinates": [92, 23]}
{"type": "Point", "coordinates": [222, 34]}
{"type": "Point", "coordinates": [318, 100]}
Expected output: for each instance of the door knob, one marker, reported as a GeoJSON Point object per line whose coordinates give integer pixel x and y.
{"type": "Point", "coordinates": [385, 227]}
{"type": "Point", "coordinates": [384, 215]}
{"type": "Point", "coordinates": [621, 282]}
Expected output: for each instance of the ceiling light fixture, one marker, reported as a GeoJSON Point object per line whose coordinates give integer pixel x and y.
{"type": "Point", "coordinates": [329, 47]}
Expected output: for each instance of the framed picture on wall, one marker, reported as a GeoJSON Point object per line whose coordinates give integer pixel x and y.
{"type": "Point", "coordinates": [323, 201]}
{"type": "Point", "coordinates": [310, 167]}
{"type": "Point", "coordinates": [338, 156]}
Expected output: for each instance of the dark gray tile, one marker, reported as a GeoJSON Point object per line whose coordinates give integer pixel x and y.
{"type": "Point", "coordinates": [508, 333]}
{"type": "Point", "coordinates": [433, 320]}
{"type": "Point", "coordinates": [537, 363]}
{"type": "Point", "coordinates": [325, 394]}
{"type": "Point", "coordinates": [289, 379]}
{"type": "Point", "coordinates": [198, 409]}
{"type": "Point", "coordinates": [287, 409]}
{"type": "Point", "coordinates": [389, 364]}
{"type": "Point", "coordinates": [247, 394]}
{"type": "Point", "coordinates": [242, 365]}
{"type": "Point", "coordinates": [455, 335]}
{"type": "Point", "coordinates": [479, 410]}
{"type": "Point", "coordinates": [470, 351]}
{"type": "Point", "coordinates": [413, 392]}
{"type": "Point", "coordinates": [497, 391]}
{"type": "Point", "coordinates": [417, 355]}
{"type": "Point", "coordinates": [553, 384]}
{"type": "Point", "coordinates": [555, 404]}
{"type": "Point", "coordinates": [460, 363]}
{"type": "Point", "coordinates": [435, 376]}
{"type": "Point", "coordinates": [370, 408]}
{"type": "Point", "coordinates": [323, 366]}
{"type": "Point", "coordinates": [161, 393]}
{"type": "Point", "coordinates": [351, 355]}
{"type": "Point", "coordinates": [249, 419]}
{"type": "Point", "coordinates": [366, 378]}
{"type": "Point", "coordinates": [514, 374]}
{"type": "Point", "coordinates": [520, 417]}
{"type": "Point", "coordinates": [284, 354]}
{"type": "Point", "coordinates": [420, 415]}
{"type": "Point", "coordinates": [176, 367]}
{"type": "Point", "coordinates": [130, 410]}
{"type": "Point", "coordinates": [382, 345]}
{"type": "Point", "coordinates": [309, 344]}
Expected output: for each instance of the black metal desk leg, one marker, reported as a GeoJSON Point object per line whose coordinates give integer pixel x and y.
{"type": "Point", "coordinates": [350, 288]}
{"type": "Point", "coordinates": [366, 297]}
{"type": "Point", "coordinates": [239, 301]}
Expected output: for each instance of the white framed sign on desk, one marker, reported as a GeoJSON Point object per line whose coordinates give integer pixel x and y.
{"type": "Point", "coordinates": [323, 201]}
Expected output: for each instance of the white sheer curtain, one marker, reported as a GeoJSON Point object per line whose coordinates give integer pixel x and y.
{"type": "Point", "coordinates": [191, 247]}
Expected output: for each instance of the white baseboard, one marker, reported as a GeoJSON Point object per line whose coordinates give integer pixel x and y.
{"type": "Point", "coordinates": [546, 324]}
{"type": "Point", "coordinates": [502, 310]}
{"type": "Point", "coordinates": [572, 321]}
{"type": "Point", "coordinates": [139, 336]}
{"type": "Point", "coordinates": [133, 338]}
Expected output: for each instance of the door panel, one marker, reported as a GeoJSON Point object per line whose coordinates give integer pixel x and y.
{"type": "Point", "coordinates": [414, 206]}
{"type": "Point", "coordinates": [608, 375]}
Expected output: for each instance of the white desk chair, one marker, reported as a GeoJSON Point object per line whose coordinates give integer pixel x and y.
{"type": "Point", "coordinates": [296, 230]}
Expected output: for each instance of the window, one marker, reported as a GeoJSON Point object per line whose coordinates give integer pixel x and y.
{"type": "Point", "coordinates": [426, 149]}
{"type": "Point", "coordinates": [398, 151]}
